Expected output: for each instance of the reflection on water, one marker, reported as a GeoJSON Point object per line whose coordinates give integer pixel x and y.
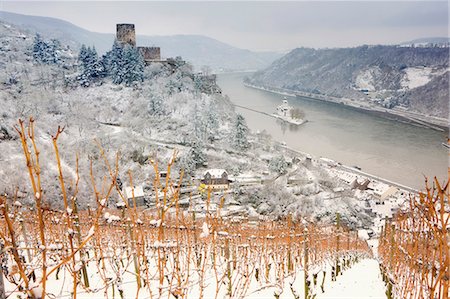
{"type": "Point", "coordinates": [394, 150]}
{"type": "Point", "coordinates": [284, 126]}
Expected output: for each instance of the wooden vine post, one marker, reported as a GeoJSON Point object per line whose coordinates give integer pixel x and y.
{"type": "Point", "coordinates": [2, 283]}
{"type": "Point", "coordinates": [306, 260]}
{"type": "Point", "coordinates": [391, 260]}
{"type": "Point", "coordinates": [338, 220]}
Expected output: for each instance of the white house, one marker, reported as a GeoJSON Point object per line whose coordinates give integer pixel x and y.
{"type": "Point", "coordinates": [137, 192]}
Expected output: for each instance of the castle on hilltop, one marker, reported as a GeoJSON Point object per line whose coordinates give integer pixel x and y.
{"type": "Point", "coordinates": [126, 35]}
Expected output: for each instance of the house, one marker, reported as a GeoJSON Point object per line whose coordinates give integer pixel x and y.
{"type": "Point", "coordinates": [136, 192]}
{"type": "Point", "coordinates": [361, 186]}
{"type": "Point", "coordinates": [383, 194]}
{"type": "Point", "coordinates": [216, 179]}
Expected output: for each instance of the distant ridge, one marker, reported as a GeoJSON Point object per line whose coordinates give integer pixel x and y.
{"type": "Point", "coordinates": [428, 40]}
{"type": "Point", "coordinates": [198, 49]}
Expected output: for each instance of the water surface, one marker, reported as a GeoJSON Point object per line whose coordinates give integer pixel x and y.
{"type": "Point", "coordinates": [396, 151]}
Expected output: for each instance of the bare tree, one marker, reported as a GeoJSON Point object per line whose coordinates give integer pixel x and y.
{"type": "Point", "coordinates": [297, 113]}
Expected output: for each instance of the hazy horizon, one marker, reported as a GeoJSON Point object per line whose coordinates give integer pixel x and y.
{"type": "Point", "coordinates": [261, 26]}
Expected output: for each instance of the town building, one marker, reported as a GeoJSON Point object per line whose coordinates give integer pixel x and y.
{"type": "Point", "coordinates": [136, 192]}
{"type": "Point", "coordinates": [216, 179]}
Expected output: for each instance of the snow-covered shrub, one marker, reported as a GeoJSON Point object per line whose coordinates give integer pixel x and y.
{"type": "Point", "coordinates": [278, 164]}
{"type": "Point", "coordinates": [239, 133]}
{"type": "Point", "coordinates": [46, 52]}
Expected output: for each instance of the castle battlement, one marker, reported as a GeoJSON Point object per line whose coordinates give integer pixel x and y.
{"type": "Point", "coordinates": [150, 53]}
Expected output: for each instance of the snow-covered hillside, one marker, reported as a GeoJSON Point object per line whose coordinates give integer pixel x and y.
{"type": "Point", "coordinates": [168, 112]}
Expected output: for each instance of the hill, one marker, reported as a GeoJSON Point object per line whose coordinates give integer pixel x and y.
{"type": "Point", "coordinates": [393, 77]}
{"type": "Point", "coordinates": [428, 40]}
{"type": "Point", "coordinates": [197, 49]}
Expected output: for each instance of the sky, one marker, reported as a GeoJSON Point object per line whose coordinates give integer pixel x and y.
{"type": "Point", "coordinates": [275, 26]}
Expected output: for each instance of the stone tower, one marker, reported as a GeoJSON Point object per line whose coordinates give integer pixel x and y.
{"type": "Point", "coordinates": [125, 34]}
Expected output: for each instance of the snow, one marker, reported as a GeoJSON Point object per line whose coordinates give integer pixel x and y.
{"type": "Point", "coordinates": [416, 77]}
{"type": "Point", "coordinates": [103, 201]}
{"type": "Point", "coordinates": [363, 280]}
{"type": "Point", "coordinates": [137, 190]}
{"type": "Point", "coordinates": [155, 222]}
{"type": "Point", "coordinates": [363, 234]}
{"type": "Point", "coordinates": [91, 231]}
{"type": "Point", "coordinates": [205, 230]}
{"type": "Point", "coordinates": [111, 218]}
{"type": "Point", "coordinates": [365, 80]}
{"type": "Point", "coordinates": [215, 173]}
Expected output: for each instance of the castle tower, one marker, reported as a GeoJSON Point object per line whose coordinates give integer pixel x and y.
{"type": "Point", "coordinates": [125, 34]}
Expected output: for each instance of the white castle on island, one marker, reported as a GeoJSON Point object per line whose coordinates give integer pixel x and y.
{"type": "Point", "coordinates": [289, 114]}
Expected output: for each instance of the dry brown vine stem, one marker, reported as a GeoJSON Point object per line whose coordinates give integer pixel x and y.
{"type": "Point", "coordinates": [68, 212]}
{"type": "Point", "coordinates": [13, 244]}
{"type": "Point", "coordinates": [35, 179]}
{"type": "Point", "coordinates": [414, 247]}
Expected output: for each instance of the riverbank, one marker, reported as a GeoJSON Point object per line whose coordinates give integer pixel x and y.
{"type": "Point", "coordinates": [354, 172]}
{"type": "Point", "coordinates": [409, 117]}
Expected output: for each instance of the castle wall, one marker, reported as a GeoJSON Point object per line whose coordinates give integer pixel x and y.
{"type": "Point", "coordinates": [150, 53]}
{"type": "Point", "coordinates": [125, 34]}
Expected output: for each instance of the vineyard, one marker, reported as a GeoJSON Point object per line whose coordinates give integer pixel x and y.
{"type": "Point", "coordinates": [163, 252]}
{"type": "Point", "coordinates": [414, 247]}
{"type": "Point", "coordinates": [141, 256]}
{"type": "Point", "coordinates": [174, 252]}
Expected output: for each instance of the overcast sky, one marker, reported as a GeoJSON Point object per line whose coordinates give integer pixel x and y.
{"type": "Point", "coordinates": [258, 25]}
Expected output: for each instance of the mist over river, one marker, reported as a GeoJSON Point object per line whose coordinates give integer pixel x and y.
{"type": "Point", "coordinates": [396, 151]}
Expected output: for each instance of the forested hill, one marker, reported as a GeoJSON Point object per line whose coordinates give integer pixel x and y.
{"type": "Point", "coordinates": [409, 77]}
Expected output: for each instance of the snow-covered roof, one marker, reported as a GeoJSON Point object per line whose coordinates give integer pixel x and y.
{"type": "Point", "coordinates": [138, 192]}
{"type": "Point", "coordinates": [389, 192]}
{"type": "Point", "coordinates": [215, 173]}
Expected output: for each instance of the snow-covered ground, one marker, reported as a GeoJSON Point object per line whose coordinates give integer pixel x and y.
{"type": "Point", "coordinates": [365, 80]}
{"type": "Point", "coordinates": [363, 280]}
{"type": "Point", "coordinates": [416, 76]}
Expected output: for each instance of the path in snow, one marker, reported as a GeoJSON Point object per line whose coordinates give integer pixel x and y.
{"type": "Point", "coordinates": [362, 280]}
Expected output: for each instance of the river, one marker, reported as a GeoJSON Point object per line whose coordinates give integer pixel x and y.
{"type": "Point", "coordinates": [396, 151]}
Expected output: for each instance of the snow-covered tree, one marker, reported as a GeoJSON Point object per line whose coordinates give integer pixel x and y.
{"type": "Point", "coordinates": [53, 54]}
{"type": "Point", "coordinates": [156, 105]}
{"type": "Point", "coordinates": [194, 159]}
{"type": "Point", "coordinates": [113, 61]}
{"type": "Point", "coordinates": [197, 154]}
{"type": "Point", "coordinates": [239, 133]}
{"type": "Point", "coordinates": [278, 164]}
{"type": "Point", "coordinates": [212, 122]}
{"type": "Point", "coordinates": [198, 123]}
{"type": "Point", "coordinates": [46, 52]}
{"type": "Point", "coordinates": [124, 64]}
{"type": "Point", "coordinates": [133, 64]}
{"type": "Point", "coordinates": [91, 67]}
{"type": "Point", "coordinates": [82, 56]}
